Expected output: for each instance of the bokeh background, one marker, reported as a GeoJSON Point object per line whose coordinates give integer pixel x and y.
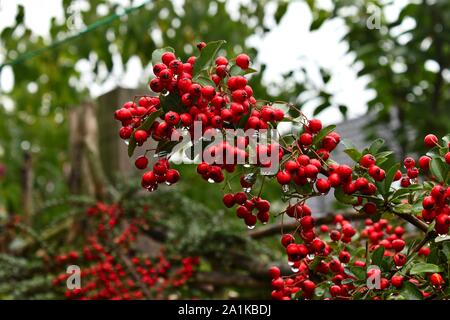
{"type": "Point", "coordinates": [374, 68]}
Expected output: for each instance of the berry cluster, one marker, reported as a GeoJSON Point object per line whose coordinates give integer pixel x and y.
{"type": "Point", "coordinates": [108, 272]}
{"type": "Point", "coordinates": [246, 207]}
{"type": "Point", "coordinates": [330, 267]}
{"type": "Point", "coordinates": [161, 173]}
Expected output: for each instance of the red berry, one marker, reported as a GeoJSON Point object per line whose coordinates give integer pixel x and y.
{"type": "Point", "coordinates": [274, 272]}
{"type": "Point", "coordinates": [409, 162]}
{"type": "Point", "coordinates": [306, 139]}
{"type": "Point", "coordinates": [172, 118]}
{"type": "Point", "coordinates": [399, 259]}
{"type": "Point", "coordinates": [243, 61]}
{"type": "Point", "coordinates": [148, 179]}
{"type": "Point", "coordinates": [370, 208]}
{"type": "Point", "coordinates": [398, 245]}
{"type": "Point", "coordinates": [397, 281]}
{"type": "Point", "coordinates": [322, 185]}
{"type": "Point", "coordinates": [287, 239]}
{"type": "Point", "coordinates": [430, 140]}
{"type": "Point", "coordinates": [125, 132]}
{"type": "Point", "coordinates": [428, 202]}
{"type": "Point", "coordinates": [283, 177]}
{"type": "Point", "coordinates": [315, 125]}
{"type": "Point", "coordinates": [424, 163]}
{"type": "Point", "coordinates": [447, 157]}
{"type": "Point", "coordinates": [228, 200]}
{"type": "Point", "coordinates": [167, 57]}
{"type": "Point", "coordinates": [436, 280]}
{"type": "Point", "coordinates": [140, 136]}
{"type": "Point", "coordinates": [141, 162]}
{"type": "Point", "coordinates": [367, 160]}
{"type": "Point", "coordinates": [172, 176]}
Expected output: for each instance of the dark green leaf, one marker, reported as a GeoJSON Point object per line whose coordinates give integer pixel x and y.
{"type": "Point", "coordinates": [375, 146]}
{"type": "Point", "coordinates": [390, 177]}
{"type": "Point", "coordinates": [237, 71]}
{"type": "Point", "coordinates": [207, 56]}
{"type": "Point", "coordinates": [377, 256]}
{"type": "Point", "coordinates": [422, 267]}
{"type": "Point", "coordinates": [323, 133]}
{"type": "Point", "coordinates": [410, 291]}
{"type": "Point", "coordinates": [354, 154]}
{"type": "Point", "coordinates": [438, 169]}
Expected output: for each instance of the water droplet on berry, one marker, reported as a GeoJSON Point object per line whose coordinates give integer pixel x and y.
{"type": "Point", "coordinates": [168, 183]}
{"type": "Point", "coordinates": [294, 269]}
{"type": "Point", "coordinates": [210, 180]}
{"type": "Point", "coordinates": [290, 263]}
{"type": "Point", "coordinates": [310, 256]}
{"type": "Point", "coordinates": [251, 227]}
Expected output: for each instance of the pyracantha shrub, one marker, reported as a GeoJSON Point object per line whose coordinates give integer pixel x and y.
{"type": "Point", "coordinates": [333, 263]}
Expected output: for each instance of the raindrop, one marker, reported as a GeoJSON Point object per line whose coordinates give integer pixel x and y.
{"type": "Point", "coordinates": [294, 269]}
{"type": "Point", "coordinates": [290, 263]}
{"type": "Point", "coordinates": [251, 227]}
{"type": "Point", "coordinates": [310, 256]}
{"type": "Point", "coordinates": [210, 180]}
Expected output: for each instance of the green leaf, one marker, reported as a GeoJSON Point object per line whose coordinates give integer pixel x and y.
{"type": "Point", "coordinates": [157, 54]}
{"type": "Point", "coordinates": [358, 272]}
{"type": "Point", "coordinates": [343, 197]}
{"type": "Point", "coordinates": [377, 256]}
{"type": "Point", "coordinates": [237, 71]}
{"type": "Point", "coordinates": [390, 177]}
{"type": "Point", "coordinates": [207, 55]}
{"type": "Point", "coordinates": [144, 126]}
{"type": "Point", "coordinates": [205, 81]}
{"type": "Point", "coordinates": [410, 291]}
{"type": "Point", "coordinates": [375, 146]}
{"type": "Point", "coordinates": [438, 169]}
{"type": "Point", "coordinates": [323, 133]}
{"type": "Point", "coordinates": [403, 208]}
{"type": "Point", "coordinates": [171, 102]}
{"type": "Point", "coordinates": [423, 267]}
{"type": "Point", "coordinates": [354, 154]}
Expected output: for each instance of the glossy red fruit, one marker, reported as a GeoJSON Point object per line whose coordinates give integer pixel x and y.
{"type": "Point", "coordinates": [370, 208]}
{"type": "Point", "coordinates": [436, 280]}
{"type": "Point", "coordinates": [140, 136]}
{"type": "Point", "coordinates": [228, 200]}
{"type": "Point", "coordinates": [167, 58]}
{"type": "Point", "coordinates": [424, 163]}
{"type": "Point", "coordinates": [399, 259]}
{"type": "Point", "coordinates": [409, 162]}
{"type": "Point", "coordinates": [398, 245]}
{"type": "Point", "coordinates": [274, 272]}
{"type": "Point", "coordinates": [314, 125]}
{"type": "Point", "coordinates": [306, 139]}
{"type": "Point", "coordinates": [287, 239]}
{"type": "Point", "coordinates": [141, 162]}
{"type": "Point", "coordinates": [367, 160]}
{"type": "Point", "coordinates": [447, 157]}
{"type": "Point", "coordinates": [430, 140]}
{"type": "Point", "coordinates": [172, 176]}
{"type": "Point", "coordinates": [322, 185]}
{"type": "Point", "coordinates": [397, 281]}
{"type": "Point", "coordinates": [283, 177]}
{"type": "Point", "coordinates": [243, 61]}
